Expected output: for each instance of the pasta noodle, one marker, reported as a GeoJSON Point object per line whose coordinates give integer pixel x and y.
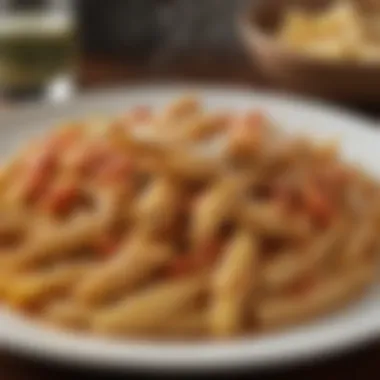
{"type": "Point", "coordinates": [233, 284]}
{"type": "Point", "coordinates": [137, 261]}
{"type": "Point", "coordinates": [330, 292]}
{"type": "Point", "coordinates": [133, 314]}
{"type": "Point", "coordinates": [290, 266]}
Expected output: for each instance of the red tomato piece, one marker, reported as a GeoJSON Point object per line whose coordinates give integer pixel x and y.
{"type": "Point", "coordinates": [317, 205]}
{"type": "Point", "coordinates": [181, 266]}
{"type": "Point", "coordinates": [106, 244]}
{"type": "Point", "coordinates": [209, 252]}
{"type": "Point", "coordinates": [61, 200]}
{"type": "Point", "coordinates": [40, 171]}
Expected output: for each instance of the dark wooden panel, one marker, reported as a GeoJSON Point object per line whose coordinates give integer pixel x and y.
{"type": "Point", "coordinates": [155, 27]}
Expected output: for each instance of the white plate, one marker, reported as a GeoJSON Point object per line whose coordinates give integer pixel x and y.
{"type": "Point", "coordinates": [349, 327]}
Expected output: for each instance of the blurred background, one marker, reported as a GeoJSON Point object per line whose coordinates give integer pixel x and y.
{"type": "Point", "coordinates": [50, 49]}
{"type": "Point", "coordinates": [59, 45]}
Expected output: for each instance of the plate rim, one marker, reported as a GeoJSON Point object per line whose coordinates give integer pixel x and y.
{"type": "Point", "coordinates": [279, 95]}
{"type": "Point", "coordinates": [226, 355]}
{"type": "Point", "coordinates": [99, 353]}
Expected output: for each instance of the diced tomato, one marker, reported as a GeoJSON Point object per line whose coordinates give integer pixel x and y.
{"type": "Point", "coordinates": [209, 252]}
{"type": "Point", "coordinates": [317, 205]}
{"type": "Point", "coordinates": [189, 201]}
{"type": "Point", "coordinates": [35, 186]}
{"type": "Point", "coordinates": [102, 162]}
{"type": "Point", "coordinates": [286, 197]}
{"type": "Point", "coordinates": [61, 199]}
{"type": "Point", "coordinates": [43, 162]}
{"type": "Point", "coordinates": [106, 244]}
{"type": "Point", "coordinates": [39, 172]}
{"type": "Point", "coordinates": [181, 266]}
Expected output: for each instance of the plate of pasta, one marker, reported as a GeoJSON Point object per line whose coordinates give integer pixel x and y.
{"type": "Point", "coordinates": [174, 227]}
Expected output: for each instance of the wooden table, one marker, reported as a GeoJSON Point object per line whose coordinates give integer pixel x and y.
{"type": "Point", "coordinates": [96, 72]}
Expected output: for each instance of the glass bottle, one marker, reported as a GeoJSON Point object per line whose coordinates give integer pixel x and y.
{"type": "Point", "coordinates": [37, 48]}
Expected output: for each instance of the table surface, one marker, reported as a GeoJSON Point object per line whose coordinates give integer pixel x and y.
{"type": "Point", "coordinates": [95, 72]}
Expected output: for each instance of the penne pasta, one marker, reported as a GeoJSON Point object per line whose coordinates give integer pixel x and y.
{"type": "Point", "coordinates": [157, 209]}
{"type": "Point", "coordinates": [291, 266]}
{"type": "Point", "coordinates": [25, 291]}
{"type": "Point", "coordinates": [214, 208]}
{"type": "Point", "coordinates": [135, 264]}
{"type": "Point", "coordinates": [188, 324]}
{"type": "Point", "coordinates": [133, 314]}
{"type": "Point", "coordinates": [68, 314]}
{"type": "Point", "coordinates": [56, 243]}
{"type": "Point", "coordinates": [180, 109]}
{"type": "Point", "coordinates": [183, 223]}
{"type": "Point", "coordinates": [268, 219]}
{"type": "Point", "coordinates": [202, 127]}
{"type": "Point", "coordinates": [329, 293]}
{"type": "Point", "coordinates": [362, 239]}
{"type": "Point", "coordinates": [184, 166]}
{"type": "Point", "coordinates": [233, 281]}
